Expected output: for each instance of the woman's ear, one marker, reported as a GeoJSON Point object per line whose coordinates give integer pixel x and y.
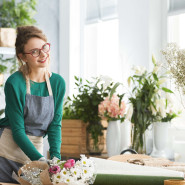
{"type": "Point", "coordinates": [22, 57]}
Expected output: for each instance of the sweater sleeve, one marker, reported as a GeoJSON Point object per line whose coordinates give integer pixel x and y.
{"type": "Point", "coordinates": [15, 113]}
{"type": "Point", "coordinates": [54, 129]}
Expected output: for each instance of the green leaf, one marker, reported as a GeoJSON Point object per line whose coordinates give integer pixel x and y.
{"type": "Point", "coordinates": [155, 76]}
{"type": "Point", "coordinates": [114, 89]}
{"type": "Point", "coordinates": [167, 90]}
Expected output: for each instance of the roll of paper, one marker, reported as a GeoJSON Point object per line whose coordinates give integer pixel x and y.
{"type": "Point", "coordinates": [174, 182]}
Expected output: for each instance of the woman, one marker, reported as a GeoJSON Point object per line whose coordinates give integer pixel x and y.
{"type": "Point", "coordinates": [34, 99]}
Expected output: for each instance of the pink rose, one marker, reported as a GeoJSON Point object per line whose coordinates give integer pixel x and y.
{"type": "Point", "coordinates": [69, 163]}
{"type": "Point", "coordinates": [54, 169]}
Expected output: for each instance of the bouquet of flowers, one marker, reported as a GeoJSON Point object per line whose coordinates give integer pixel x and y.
{"type": "Point", "coordinates": [81, 172]}
{"type": "Point", "coordinates": [112, 108]}
{"type": "Point", "coordinates": [149, 102]}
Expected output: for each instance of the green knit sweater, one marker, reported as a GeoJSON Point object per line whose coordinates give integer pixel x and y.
{"type": "Point", "coordinates": [15, 92]}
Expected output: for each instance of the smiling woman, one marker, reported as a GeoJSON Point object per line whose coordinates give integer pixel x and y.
{"type": "Point", "coordinates": [34, 100]}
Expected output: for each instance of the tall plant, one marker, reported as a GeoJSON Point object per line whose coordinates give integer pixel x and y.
{"type": "Point", "coordinates": [149, 102]}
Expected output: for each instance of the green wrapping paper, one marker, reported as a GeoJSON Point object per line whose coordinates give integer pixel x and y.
{"type": "Point", "coordinates": [120, 173]}
{"type": "Point", "coordinates": [112, 179]}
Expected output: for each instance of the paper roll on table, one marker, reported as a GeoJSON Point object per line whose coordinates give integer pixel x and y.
{"type": "Point", "coordinates": [174, 182]}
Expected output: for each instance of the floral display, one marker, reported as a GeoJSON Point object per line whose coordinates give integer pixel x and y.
{"type": "Point", "coordinates": [112, 108]}
{"type": "Point", "coordinates": [149, 101]}
{"type": "Point", "coordinates": [81, 172]}
{"type": "Point", "coordinates": [175, 58]}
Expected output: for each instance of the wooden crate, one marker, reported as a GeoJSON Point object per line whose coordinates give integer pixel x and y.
{"type": "Point", "coordinates": [74, 138]}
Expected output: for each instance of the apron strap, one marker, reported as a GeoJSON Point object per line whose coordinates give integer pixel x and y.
{"type": "Point", "coordinates": [48, 84]}
{"type": "Point", "coordinates": [28, 91]}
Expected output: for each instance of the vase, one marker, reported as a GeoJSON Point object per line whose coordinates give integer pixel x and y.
{"type": "Point", "coordinates": [160, 139]}
{"type": "Point", "coordinates": [95, 147]}
{"type": "Point", "coordinates": [125, 138]}
{"type": "Point", "coordinates": [138, 139]}
{"type": "Point", "coordinates": [113, 138]}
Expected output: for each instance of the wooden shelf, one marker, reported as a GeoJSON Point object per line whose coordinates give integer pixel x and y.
{"type": "Point", "coordinates": [7, 51]}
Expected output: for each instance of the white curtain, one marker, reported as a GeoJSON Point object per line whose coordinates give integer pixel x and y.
{"type": "Point", "coordinates": [176, 7]}
{"type": "Point", "coordinates": [100, 10]}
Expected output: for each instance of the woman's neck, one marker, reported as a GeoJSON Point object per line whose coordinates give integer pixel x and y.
{"type": "Point", "coordinates": [38, 75]}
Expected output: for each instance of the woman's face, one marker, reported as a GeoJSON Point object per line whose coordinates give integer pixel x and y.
{"type": "Point", "coordinates": [36, 53]}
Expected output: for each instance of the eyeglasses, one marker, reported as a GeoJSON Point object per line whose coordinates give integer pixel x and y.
{"type": "Point", "coordinates": [36, 52]}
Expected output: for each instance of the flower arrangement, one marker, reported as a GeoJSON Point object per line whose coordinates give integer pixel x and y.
{"type": "Point", "coordinates": [55, 172]}
{"type": "Point", "coordinates": [175, 58]}
{"type": "Point", "coordinates": [84, 104]}
{"type": "Point", "coordinates": [112, 108]}
{"type": "Point", "coordinates": [149, 102]}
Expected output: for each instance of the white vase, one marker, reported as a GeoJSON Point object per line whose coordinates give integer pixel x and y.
{"type": "Point", "coordinates": [113, 138]}
{"type": "Point", "coordinates": [160, 139]}
{"type": "Point", "coordinates": [125, 132]}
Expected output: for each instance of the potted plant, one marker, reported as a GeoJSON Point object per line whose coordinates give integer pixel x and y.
{"type": "Point", "coordinates": [12, 67]}
{"type": "Point", "coordinates": [84, 106]}
{"type": "Point", "coordinates": [113, 109]}
{"type": "Point", "coordinates": [149, 102]}
{"type": "Point", "coordinates": [15, 14]}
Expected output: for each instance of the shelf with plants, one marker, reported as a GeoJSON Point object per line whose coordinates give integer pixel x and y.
{"type": "Point", "coordinates": [7, 51]}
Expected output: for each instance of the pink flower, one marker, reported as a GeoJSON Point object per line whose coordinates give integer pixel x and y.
{"type": "Point", "coordinates": [54, 169]}
{"type": "Point", "coordinates": [69, 163]}
{"type": "Point", "coordinates": [111, 108]}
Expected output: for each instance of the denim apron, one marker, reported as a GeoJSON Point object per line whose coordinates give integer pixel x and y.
{"type": "Point", "coordinates": [38, 114]}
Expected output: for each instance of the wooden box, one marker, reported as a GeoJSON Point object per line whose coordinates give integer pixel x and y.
{"type": "Point", "coordinates": [74, 137]}
{"type": "Point", "coordinates": [7, 37]}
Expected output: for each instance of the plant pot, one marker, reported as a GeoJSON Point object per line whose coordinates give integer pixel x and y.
{"type": "Point", "coordinates": [113, 138]}
{"type": "Point", "coordinates": [138, 140]}
{"type": "Point", "coordinates": [1, 79]}
{"type": "Point", "coordinates": [125, 131]}
{"type": "Point", "coordinates": [7, 37]}
{"type": "Point", "coordinates": [95, 138]}
{"type": "Point", "coordinates": [160, 139]}
{"type": "Point", "coordinates": [95, 148]}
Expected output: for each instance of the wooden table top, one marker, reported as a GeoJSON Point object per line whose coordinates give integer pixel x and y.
{"type": "Point", "coordinates": [1, 183]}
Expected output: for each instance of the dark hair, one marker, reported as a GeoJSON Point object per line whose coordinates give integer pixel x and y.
{"type": "Point", "coordinates": [24, 33]}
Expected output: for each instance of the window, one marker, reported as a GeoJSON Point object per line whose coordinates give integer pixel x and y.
{"type": "Point", "coordinates": [101, 49]}
{"type": "Point", "coordinates": [176, 30]}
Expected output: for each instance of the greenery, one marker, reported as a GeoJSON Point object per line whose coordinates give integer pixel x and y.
{"type": "Point", "coordinates": [149, 101]}
{"type": "Point", "coordinates": [7, 65]}
{"type": "Point", "coordinates": [15, 14]}
{"type": "Point", "coordinates": [84, 105]}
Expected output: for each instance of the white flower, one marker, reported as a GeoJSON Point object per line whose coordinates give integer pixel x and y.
{"type": "Point", "coordinates": [161, 107]}
{"type": "Point", "coordinates": [106, 81]}
{"type": "Point", "coordinates": [56, 178]}
{"type": "Point", "coordinates": [84, 160]}
{"type": "Point", "coordinates": [161, 81]}
{"type": "Point", "coordinates": [75, 172]}
{"type": "Point", "coordinates": [87, 173]}
{"type": "Point", "coordinates": [169, 98]}
{"type": "Point", "coordinates": [64, 172]}
{"type": "Point", "coordinates": [154, 112]}
{"type": "Point", "coordinates": [139, 70]}
{"type": "Point", "coordinates": [129, 112]}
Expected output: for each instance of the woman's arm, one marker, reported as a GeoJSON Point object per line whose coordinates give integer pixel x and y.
{"type": "Point", "coordinates": [54, 129]}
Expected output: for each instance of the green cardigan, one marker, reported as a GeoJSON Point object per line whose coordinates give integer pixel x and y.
{"type": "Point", "coordinates": [15, 92]}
